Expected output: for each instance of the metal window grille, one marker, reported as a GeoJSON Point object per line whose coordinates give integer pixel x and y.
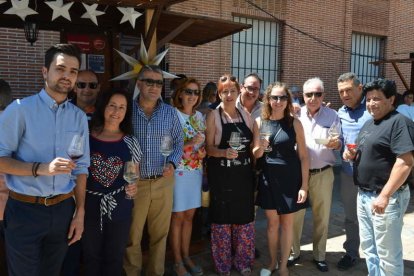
{"type": "Point", "coordinates": [366, 48]}
{"type": "Point", "coordinates": [257, 50]}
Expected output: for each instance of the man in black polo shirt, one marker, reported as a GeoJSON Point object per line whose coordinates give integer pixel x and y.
{"type": "Point", "coordinates": [383, 161]}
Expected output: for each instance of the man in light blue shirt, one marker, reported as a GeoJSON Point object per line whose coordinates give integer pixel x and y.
{"type": "Point", "coordinates": [353, 115]}
{"type": "Point", "coordinates": [41, 216]}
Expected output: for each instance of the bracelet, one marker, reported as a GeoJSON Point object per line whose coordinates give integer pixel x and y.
{"type": "Point", "coordinates": [35, 167]}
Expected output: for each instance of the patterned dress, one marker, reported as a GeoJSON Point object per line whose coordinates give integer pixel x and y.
{"type": "Point", "coordinates": [189, 172]}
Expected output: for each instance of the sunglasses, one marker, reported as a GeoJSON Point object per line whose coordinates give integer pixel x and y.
{"type": "Point", "coordinates": [225, 78]}
{"type": "Point", "coordinates": [251, 89]}
{"type": "Point", "coordinates": [311, 94]}
{"type": "Point", "coordinates": [151, 82]}
{"type": "Point", "coordinates": [190, 92]}
{"type": "Point", "coordinates": [278, 98]}
{"type": "Point", "coordinates": [82, 85]}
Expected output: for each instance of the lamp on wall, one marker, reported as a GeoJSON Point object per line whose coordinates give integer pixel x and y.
{"type": "Point", "coordinates": [30, 31]}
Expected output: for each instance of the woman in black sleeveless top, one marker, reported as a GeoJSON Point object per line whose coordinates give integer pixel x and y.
{"type": "Point", "coordinates": [283, 182]}
{"type": "Point", "coordinates": [230, 178]}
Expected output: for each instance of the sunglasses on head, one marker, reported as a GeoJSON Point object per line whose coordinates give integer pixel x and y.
{"type": "Point", "coordinates": [225, 78]}
{"type": "Point", "coordinates": [311, 94]}
{"type": "Point", "coordinates": [151, 82]}
{"type": "Point", "coordinates": [82, 85]}
{"type": "Point", "coordinates": [278, 98]}
{"type": "Point", "coordinates": [190, 92]}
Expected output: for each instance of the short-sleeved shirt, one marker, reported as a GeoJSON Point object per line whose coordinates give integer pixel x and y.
{"type": "Point", "coordinates": [37, 129]}
{"type": "Point", "coordinates": [379, 144]}
{"type": "Point", "coordinates": [352, 121]}
{"type": "Point", "coordinates": [317, 127]}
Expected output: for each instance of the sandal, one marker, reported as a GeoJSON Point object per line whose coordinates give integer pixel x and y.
{"type": "Point", "coordinates": [176, 266]}
{"type": "Point", "coordinates": [195, 270]}
{"type": "Point", "coordinates": [268, 272]}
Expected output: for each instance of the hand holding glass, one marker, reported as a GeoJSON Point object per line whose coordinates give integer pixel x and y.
{"type": "Point", "coordinates": [75, 149]}
{"type": "Point", "coordinates": [350, 143]}
{"type": "Point", "coordinates": [131, 175]}
{"type": "Point", "coordinates": [265, 133]}
{"type": "Point", "coordinates": [166, 146]}
{"type": "Point", "coordinates": [235, 140]}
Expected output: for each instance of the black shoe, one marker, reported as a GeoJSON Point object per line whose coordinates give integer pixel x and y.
{"type": "Point", "coordinates": [292, 260]}
{"type": "Point", "coordinates": [322, 266]}
{"type": "Point", "coordinates": [256, 253]}
{"type": "Point", "coordinates": [346, 262]}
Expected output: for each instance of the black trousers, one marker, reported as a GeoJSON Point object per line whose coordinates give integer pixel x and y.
{"type": "Point", "coordinates": [36, 237]}
{"type": "Point", "coordinates": [103, 252]}
{"type": "Point", "coordinates": [3, 262]}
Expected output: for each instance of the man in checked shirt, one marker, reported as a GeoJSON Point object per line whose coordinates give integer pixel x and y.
{"type": "Point", "coordinates": [152, 119]}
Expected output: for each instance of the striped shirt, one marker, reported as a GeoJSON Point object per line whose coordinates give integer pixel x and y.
{"type": "Point", "coordinates": [149, 130]}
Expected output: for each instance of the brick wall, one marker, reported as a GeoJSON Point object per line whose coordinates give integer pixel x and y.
{"type": "Point", "coordinates": [20, 63]}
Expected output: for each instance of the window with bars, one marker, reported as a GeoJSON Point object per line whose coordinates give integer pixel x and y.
{"type": "Point", "coordinates": [366, 48]}
{"type": "Point", "coordinates": [257, 50]}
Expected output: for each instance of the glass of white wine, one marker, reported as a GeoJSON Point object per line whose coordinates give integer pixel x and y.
{"type": "Point", "coordinates": [265, 133]}
{"type": "Point", "coordinates": [235, 140]}
{"type": "Point", "coordinates": [131, 175]}
{"type": "Point", "coordinates": [166, 146]}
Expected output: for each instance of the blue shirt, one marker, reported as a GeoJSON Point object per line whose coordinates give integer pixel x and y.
{"type": "Point", "coordinates": [352, 121]}
{"type": "Point", "coordinates": [149, 130]}
{"type": "Point", "coordinates": [406, 110]}
{"type": "Point", "coordinates": [37, 129]}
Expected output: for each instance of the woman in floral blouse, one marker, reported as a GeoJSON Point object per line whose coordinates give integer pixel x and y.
{"type": "Point", "coordinates": [188, 176]}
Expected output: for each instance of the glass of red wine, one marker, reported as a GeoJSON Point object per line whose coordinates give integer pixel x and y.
{"type": "Point", "coordinates": [75, 149]}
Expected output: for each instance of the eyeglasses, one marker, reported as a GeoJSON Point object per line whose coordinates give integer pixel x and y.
{"type": "Point", "coordinates": [225, 78]}
{"type": "Point", "coordinates": [151, 82]}
{"type": "Point", "coordinates": [252, 89]}
{"type": "Point", "coordinates": [82, 85]}
{"type": "Point", "coordinates": [311, 94]}
{"type": "Point", "coordinates": [190, 92]}
{"type": "Point", "coordinates": [278, 98]}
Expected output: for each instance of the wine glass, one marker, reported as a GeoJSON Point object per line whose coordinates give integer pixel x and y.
{"type": "Point", "coordinates": [350, 142]}
{"type": "Point", "coordinates": [335, 130]}
{"type": "Point", "coordinates": [265, 133]}
{"type": "Point", "coordinates": [131, 175]}
{"type": "Point", "coordinates": [235, 140]}
{"type": "Point", "coordinates": [166, 146]}
{"type": "Point", "coordinates": [75, 149]}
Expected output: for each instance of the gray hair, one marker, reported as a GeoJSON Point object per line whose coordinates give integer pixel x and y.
{"type": "Point", "coordinates": [152, 68]}
{"type": "Point", "coordinates": [313, 80]}
{"type": "Point", "coordinates": [349, 76]}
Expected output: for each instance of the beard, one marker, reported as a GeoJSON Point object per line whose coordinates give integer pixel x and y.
{"type": "Point", "coordinates": [60, 88]}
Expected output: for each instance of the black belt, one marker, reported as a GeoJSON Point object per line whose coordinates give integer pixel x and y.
{"type": "Point", "coordinates": [152, 177]}
{"type": "Point", "coordinates": [316, 171]}
{"type": "Point", "coordinates": [378, 191]}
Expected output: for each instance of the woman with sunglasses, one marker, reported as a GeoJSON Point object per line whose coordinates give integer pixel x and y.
{"type": "Point", "coordinates": [283, 181]}
{"type": "Point", "coordinates": [230, 178]}
{"type": "Point", "coordinates": [188, 176]}
{"type": "Point", "coordinates": [108, 212]}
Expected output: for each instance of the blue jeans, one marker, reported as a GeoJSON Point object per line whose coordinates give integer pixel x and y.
{"type": "Point", "coordinates": [381, 234]}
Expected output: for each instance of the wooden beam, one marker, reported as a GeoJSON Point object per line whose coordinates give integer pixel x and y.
{"type": "Point", "coordinates": [150, 38]}
{"type": "Point", "coordinates": [412, 72]}
{"type": "Point", "coordinates": [175, 32]}
{"type": "Point", "coordinates": [394, 64]}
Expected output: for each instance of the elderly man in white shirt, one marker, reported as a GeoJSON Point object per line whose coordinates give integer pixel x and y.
{"type": "Point", "coordinates": [317, 120]}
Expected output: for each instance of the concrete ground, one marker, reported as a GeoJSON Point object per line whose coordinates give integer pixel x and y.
{"type": "Point", "coordinates": [334, 245]}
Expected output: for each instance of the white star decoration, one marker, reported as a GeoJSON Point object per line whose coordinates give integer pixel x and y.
{"type": "Point", "coordinates": [20, 8]}
{"type": "Point", "coordinates": [59, 9]}
{"type": "Point", "coordinates": [92, 13]}
{"type": "Point", "coordinates": [129, 14]}
{"type": "Point", "coordinates": [143, 60]}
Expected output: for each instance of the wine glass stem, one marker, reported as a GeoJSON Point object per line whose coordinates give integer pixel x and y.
{"type": "Point", "coordinates": [165, 160]}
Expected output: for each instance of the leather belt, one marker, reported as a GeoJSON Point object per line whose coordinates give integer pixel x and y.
{"type": "Point", "coordinates": [152, 177]}
{"type": "Point", "coordinates": [378, 191]}
{"type": "Point", "coordinates": [46, 201]}
{"type": "Point", "coordinates": [316, 171]}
